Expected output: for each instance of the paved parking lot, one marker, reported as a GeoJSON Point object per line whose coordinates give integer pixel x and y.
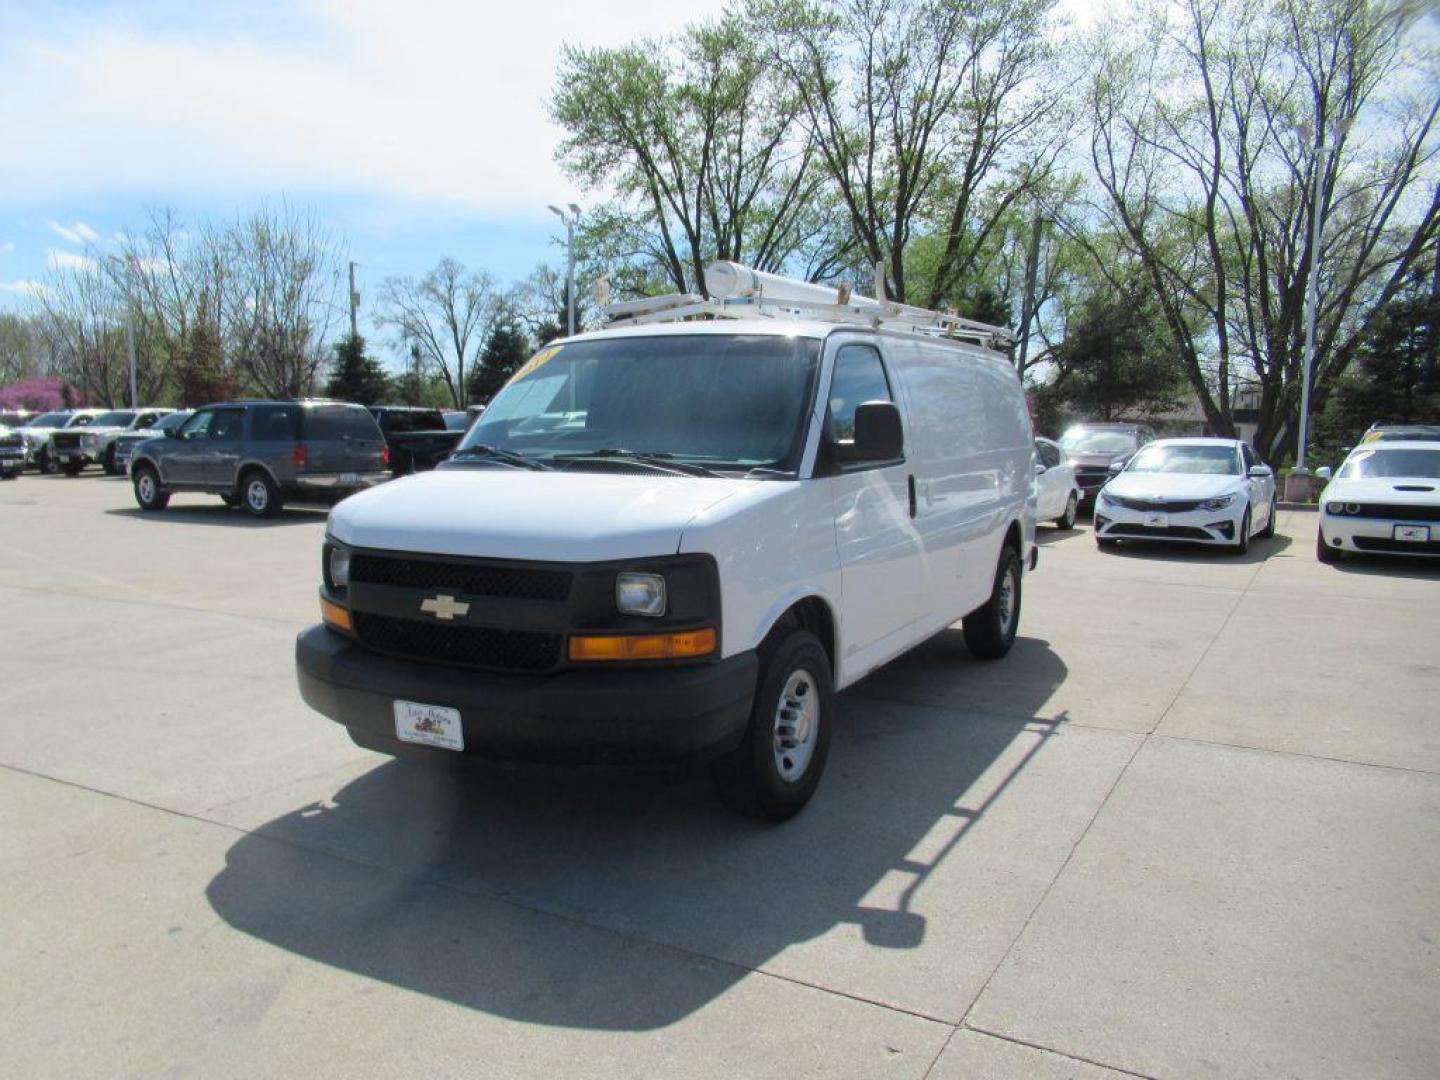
{"type": "Point", "coordinates": [1190, 827]}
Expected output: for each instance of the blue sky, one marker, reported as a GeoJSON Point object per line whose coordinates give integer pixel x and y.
{"type": "Point", "coordinates": [414, 129]}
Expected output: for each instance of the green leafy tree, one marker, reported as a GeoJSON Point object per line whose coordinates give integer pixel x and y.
{"type": "Point", "coordinates": [504, 351]}
{"type": "Point", "coordinates": [355, 376]}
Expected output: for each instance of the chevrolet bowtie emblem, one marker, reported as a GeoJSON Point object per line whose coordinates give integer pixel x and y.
{"type": "Point", "coordinates": [444, 607]}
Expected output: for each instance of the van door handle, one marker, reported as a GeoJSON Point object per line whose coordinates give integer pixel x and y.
{"type": "Point", "coordinates": [912, 495]}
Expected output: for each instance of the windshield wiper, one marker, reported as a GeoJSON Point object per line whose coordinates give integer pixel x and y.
{"type": "Point", "coordinates": [509, 457]}
{"type": "Point", "coordinates": [765, 472]}
{"type": "Point", "coordinates": [658, 460]}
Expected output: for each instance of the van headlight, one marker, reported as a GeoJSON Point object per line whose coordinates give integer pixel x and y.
{"type": "Point", "coordinates": [338, 567]}
{"type": "Point", "coordinates": [1217, 504]}
{"type": "Point", "coordinates": [640, 594]}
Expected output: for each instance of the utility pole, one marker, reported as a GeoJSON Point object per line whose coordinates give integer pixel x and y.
{"type": "Point", "coordinates": [354, 302]}
{"type": "Point", "coordinates": [1027, 305]}
{"type": "Point", "coordinates": [129, 264]}
{"type": "Point", "coordinates": [569, 221]}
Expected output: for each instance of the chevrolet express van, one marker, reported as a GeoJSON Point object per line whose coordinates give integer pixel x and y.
{"type": "Point", "coordinates": [680, 538]}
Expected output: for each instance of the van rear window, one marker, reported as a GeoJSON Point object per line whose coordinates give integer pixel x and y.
{"type": "Point", "coordinates": [339, 422]}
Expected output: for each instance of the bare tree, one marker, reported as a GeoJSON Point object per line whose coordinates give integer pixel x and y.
{"type": "Point", "coordinates": [446, 315]}
{"type": "Point", "coordinates": [276, 276]}
{"type": "Point", "coordinates": [1213, 127]}
{"type": "Point", "coordinates": [79, 313]}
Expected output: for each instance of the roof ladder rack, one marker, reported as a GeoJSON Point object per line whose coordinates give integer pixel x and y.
{"type": "Point", "coordinates": [739, 292]}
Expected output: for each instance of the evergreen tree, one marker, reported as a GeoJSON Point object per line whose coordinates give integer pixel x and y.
{"type": "Point", "coordinates": [355, 376]}
{"type": "Point", "coordinates": [1397, 375]}
{"type": "Point", "coordinates": [505, 350]}
{"type": "Point", "coordinates": [1112, 364]}
{"type": "Point", "coordinates": [201, 377]}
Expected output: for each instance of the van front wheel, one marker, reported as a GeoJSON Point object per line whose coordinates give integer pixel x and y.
{"type": "Point", "coordinates": [776, 768]}
{"type": "Point", "coordinates": [990, 629]}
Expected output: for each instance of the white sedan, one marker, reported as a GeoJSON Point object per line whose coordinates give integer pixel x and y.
{"type": "Point", "coordinates": [1199, 491]}
{"type": "Point", "coordinates": [1057, 493]}
{"type": "Point", "coordinates": [1384, 500]}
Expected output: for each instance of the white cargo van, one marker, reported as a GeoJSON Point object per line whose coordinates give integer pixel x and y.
{"type": "Point", "coordinates": [675, 537]}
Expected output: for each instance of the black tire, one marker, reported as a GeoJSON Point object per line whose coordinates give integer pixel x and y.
{"type": "Point", "coordinates": [107, 462]}
{"type": "Point", "coordinates": [7, 474]}
{"type": "Point", "coordinates": [1242, 535]}
{"type": "Point", "coordinates": [48, 465]}
{"type": "Point", "coordinates": [752, 779]}
{"type": "Point", "coordinates": [1072, 509]}
{"type": "Point", "coordinates": [259, 495]}
{"type": "Point", "coordinates": [1324, 552]}
{"type": "Point", "coordinates": [71, 468]}
{"type": "Point", "coordinates": [991, 628]}
{"type": "Point", "coordinates": [148, 493]}
{"type": "Point", "coordinates": [1269, 530]}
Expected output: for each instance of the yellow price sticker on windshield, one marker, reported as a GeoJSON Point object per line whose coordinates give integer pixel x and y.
{"type": "Point", "coordinates": [539, 360]}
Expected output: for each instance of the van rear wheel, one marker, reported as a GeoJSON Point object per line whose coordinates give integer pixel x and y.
{"type": "Point", "coordinates": [774, 771]}
{"type": "Point", "coordinates": [991, 628]}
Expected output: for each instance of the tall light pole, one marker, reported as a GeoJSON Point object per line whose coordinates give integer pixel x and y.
{"type": "Point", "coordinates": [1312, 292]}
{"type": "Point", "coordinates": [569, 221]}
{"type": "Point", "coordinates": [129, 262]}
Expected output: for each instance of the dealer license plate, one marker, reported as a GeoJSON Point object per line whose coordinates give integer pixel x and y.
{"type": "Point", "coordinates": [349, 478]}
{"type": "Point", "coordinates": [1415, 534]}
{"type": "Point", "coordinates": [1157, 521]}
{"type": "Point", "coordinates": [430, 725]}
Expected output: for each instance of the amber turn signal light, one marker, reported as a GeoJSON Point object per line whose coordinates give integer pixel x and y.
{"type": "Point", "coordinates": [688, 644]}
{"type": "Point", "coordinates": [335, 615]}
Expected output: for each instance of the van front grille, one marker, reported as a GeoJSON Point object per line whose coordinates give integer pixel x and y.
{"type": "Point", "coordinates": [472, 578]}
{"type": "Point", "coordinates": [467, 646]}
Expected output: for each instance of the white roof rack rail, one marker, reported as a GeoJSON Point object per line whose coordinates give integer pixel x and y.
{"type": "Point", "coordinates": [739, 292]}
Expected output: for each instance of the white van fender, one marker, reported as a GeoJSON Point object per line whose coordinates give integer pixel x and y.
{"type": "Point", "coordinates": [762, 627]}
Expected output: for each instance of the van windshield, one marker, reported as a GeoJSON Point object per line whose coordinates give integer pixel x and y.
{"type": "Point", "coordinates": [718, 400]}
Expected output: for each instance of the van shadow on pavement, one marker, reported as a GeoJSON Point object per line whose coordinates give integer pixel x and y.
{"type": "Point", "coordinates": [220, 514]}
{"type": "Point", "coordinates": [439, 875]}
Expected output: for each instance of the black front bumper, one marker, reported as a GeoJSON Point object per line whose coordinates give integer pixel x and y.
{"type": "Point", "coordinates": [661, 713]}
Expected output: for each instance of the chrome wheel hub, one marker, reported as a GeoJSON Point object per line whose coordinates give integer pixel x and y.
{"type": "Point", "coordinates": [1005, 602]}
{"type": "Point", "coordinates": [146, 485]}
{"type": "Point", "coordinates": [257, 496]}
{"type": "Point", "coordinates": [797, 723]}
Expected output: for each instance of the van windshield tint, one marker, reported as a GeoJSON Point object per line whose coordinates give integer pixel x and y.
{"type": "Point", "coordinates": [114, 419]}
{"type": "Point", "coordinates": [720, 400]}
{"type": "Point", "coordinates": [339, 422]}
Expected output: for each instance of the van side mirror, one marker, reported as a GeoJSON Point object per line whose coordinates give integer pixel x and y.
{"type": "Point", "coordinates": [1117, 467]}
{"type": "Point", "coordinates": [172, 432]}
{"type": "Point", "coordinates": [1260, 472]}
{"type": "Point", "coordinates": [1324, 473]}
{"type": "Point", "coordinates": [878, 435]}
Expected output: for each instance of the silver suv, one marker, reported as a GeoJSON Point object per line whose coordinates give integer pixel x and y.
{"type": "Point", "coordinates": [261, 454]}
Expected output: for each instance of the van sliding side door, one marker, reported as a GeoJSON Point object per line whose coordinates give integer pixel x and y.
{"type": "Point", "coordinates": [875, 532]}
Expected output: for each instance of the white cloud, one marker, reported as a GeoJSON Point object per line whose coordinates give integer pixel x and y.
{"type": "Point", "coordinates": [66, 260]}
{"type": "Point", "coordinates": [79, 233]}
{"type": "Point", "coordinates": [22, 288]}
{"type": "Point", "coordinates": [427, 100]}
